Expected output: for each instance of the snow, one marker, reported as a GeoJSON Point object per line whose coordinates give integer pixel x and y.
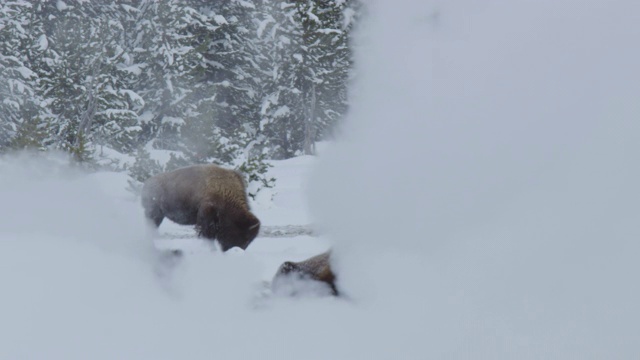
{"type": "Point", "coordinates": [43, 42]}
{"type": "Point", "coordinates": [285, 40]}
{"type": "Point", "coordinates": [284, 5]}
{"type": "Point", "coordinates": [130, 9]}
{"type": "Point", "coordinates": [145, 116]}
{"type": "Point", "coordinates": [80, 277]}
{"type": "Point", "coordinates": [282, 111]}
{"type": "Point", "coordinates": [106, 156]}
{"type": "Point", "coordinates": [220, 20]}
{"type": "Point", "coordinates": [263, 24]}
{"type": "Point", "coordinates": [11, 103]}
{"type": "Point", "coordinates": [111, 113]}
{"type": "Point", "coordinates": [267, 102]}
{"type": "Point", "coordinates": [482, 203]}
{"type": "Point", "coordinates": [286, 203]}
{"type": "Point", "coordinates": [17, 86]}
{"type": "Point", "coordinates": [313, 17]}
{"type": "Point", "coordinates": [61, 5]}
{"type": "Point", "coordinates": [134, 97]}
{"type": "Point", "coordinates": [348, 17]}
{"type": "Point", "coordinates": [246, 4]}
{"type": "Point", "coordinates": [172, 120]}
{"type": "Point", "coordinates": [135, 69]}
{"type": "Point", "coordinates": [329, 31]}
{"type": "Point", "coordinates": [484, 196]}
{"type": "Point", "coordinates": [161, 156]}
{"type": "Point", "coordinates": [25, 72]}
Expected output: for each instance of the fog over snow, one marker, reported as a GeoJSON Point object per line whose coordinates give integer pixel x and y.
{"type": "Point", "coordinates": [483, 203]}
{"type": "Point", "coordinates": [484, 200]}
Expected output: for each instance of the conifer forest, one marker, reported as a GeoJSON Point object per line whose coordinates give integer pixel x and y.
{"type": "Point", "coordinates": [229, 82]}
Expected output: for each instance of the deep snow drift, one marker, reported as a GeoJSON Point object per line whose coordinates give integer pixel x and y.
{"type": "Point", "coordinates": [483, 203]}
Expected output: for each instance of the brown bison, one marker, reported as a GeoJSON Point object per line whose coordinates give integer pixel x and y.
{"type": "Point", "coordinates": [316, 269]}
{"type": "Point", "coordinates": [208, 196]}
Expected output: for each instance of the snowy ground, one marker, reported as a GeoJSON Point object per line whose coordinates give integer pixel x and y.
{"type": "Point", "coordinates": [81, 278]}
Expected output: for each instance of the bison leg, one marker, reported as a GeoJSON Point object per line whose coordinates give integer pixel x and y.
{"type": "Point", "coordinates": [207, 221]}
{"type": "Point", "coordinates": [150, 203]}
{"type": "Point", "coordinates": [155, 215]}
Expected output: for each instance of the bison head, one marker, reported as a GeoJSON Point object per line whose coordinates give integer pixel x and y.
{"type": "Point", "coordinates": [237, 230]}
{"type": "Point", "coordinates": [229, 225]}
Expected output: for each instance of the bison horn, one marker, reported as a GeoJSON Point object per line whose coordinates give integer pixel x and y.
{"type": "Point", "coordinates": [254, 225]}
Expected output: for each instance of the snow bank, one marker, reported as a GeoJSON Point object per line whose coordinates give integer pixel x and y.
{"type": "Point", "coordinates": [45, 196]}
{"type": "Point", "coordinates": [484, 199]}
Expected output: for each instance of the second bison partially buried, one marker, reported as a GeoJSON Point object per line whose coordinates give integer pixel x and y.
{"type": "Point", "coordinates": [313, 276]}
{"type": "Point", "coordinates": [208, 196]}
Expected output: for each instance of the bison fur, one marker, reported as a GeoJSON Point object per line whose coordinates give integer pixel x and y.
{"type": "Point", "coordinates": [292, 275]}
{"type": "Point", "coordinates": [212, 198]}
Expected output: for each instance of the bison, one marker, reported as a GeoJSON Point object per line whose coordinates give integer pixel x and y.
{"type": "Point", "coordinates": [315, 269]}
{"type": "Point", "coordinates": [207, 196]}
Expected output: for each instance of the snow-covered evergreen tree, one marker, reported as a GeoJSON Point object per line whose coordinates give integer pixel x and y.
{"type": "Point", "coordinates": [304, 62]}
{"type": "Point", "coordinates": [143, 168]}
{"type": "Point", "coordinates": [323, 75]}
{"type": "Point", "coordinates": [232, 82]}
{"type": "Point", "coordinates": [166, 60]}
{"type": "Point", "coordinates": [21, 121]}
{"type": "Point", "coordinates": [80, 80]}
{"type": "Point", "coordinates": [220, 88]}
{"type": "Point", "coordinates": [329, 47]}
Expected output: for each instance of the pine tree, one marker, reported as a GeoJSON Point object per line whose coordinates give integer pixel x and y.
{"type": "Point", "coordinates": [272, 54]}
{"type": "Point", "coordinates": [166, 59]}
{"type": "Point", "coordinates": [116, 123]}
{"type": "Point", "coordinates": [327, 63]}
{"type": "Point", "coordinates": [79, 76]}
{"type": "Point", "coordinates": [143, 168]}
{"type": "Point", "coordinates": [303, 64]}
{"type": "Point", "coordinates": [233, 82]}
{"type": "Point", "coordinates": [19, 121]}
{"type": "Point", "coordinates": [224, 100]}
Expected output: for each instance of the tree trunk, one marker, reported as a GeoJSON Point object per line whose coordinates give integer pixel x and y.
{"type": "Point", "coordinates": [87, 116]}
{"type": "Point", "coordinates": [309, 125]}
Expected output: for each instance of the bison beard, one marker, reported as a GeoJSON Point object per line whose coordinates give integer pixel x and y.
{"type": "Point", "coordinates": [210, 197]}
